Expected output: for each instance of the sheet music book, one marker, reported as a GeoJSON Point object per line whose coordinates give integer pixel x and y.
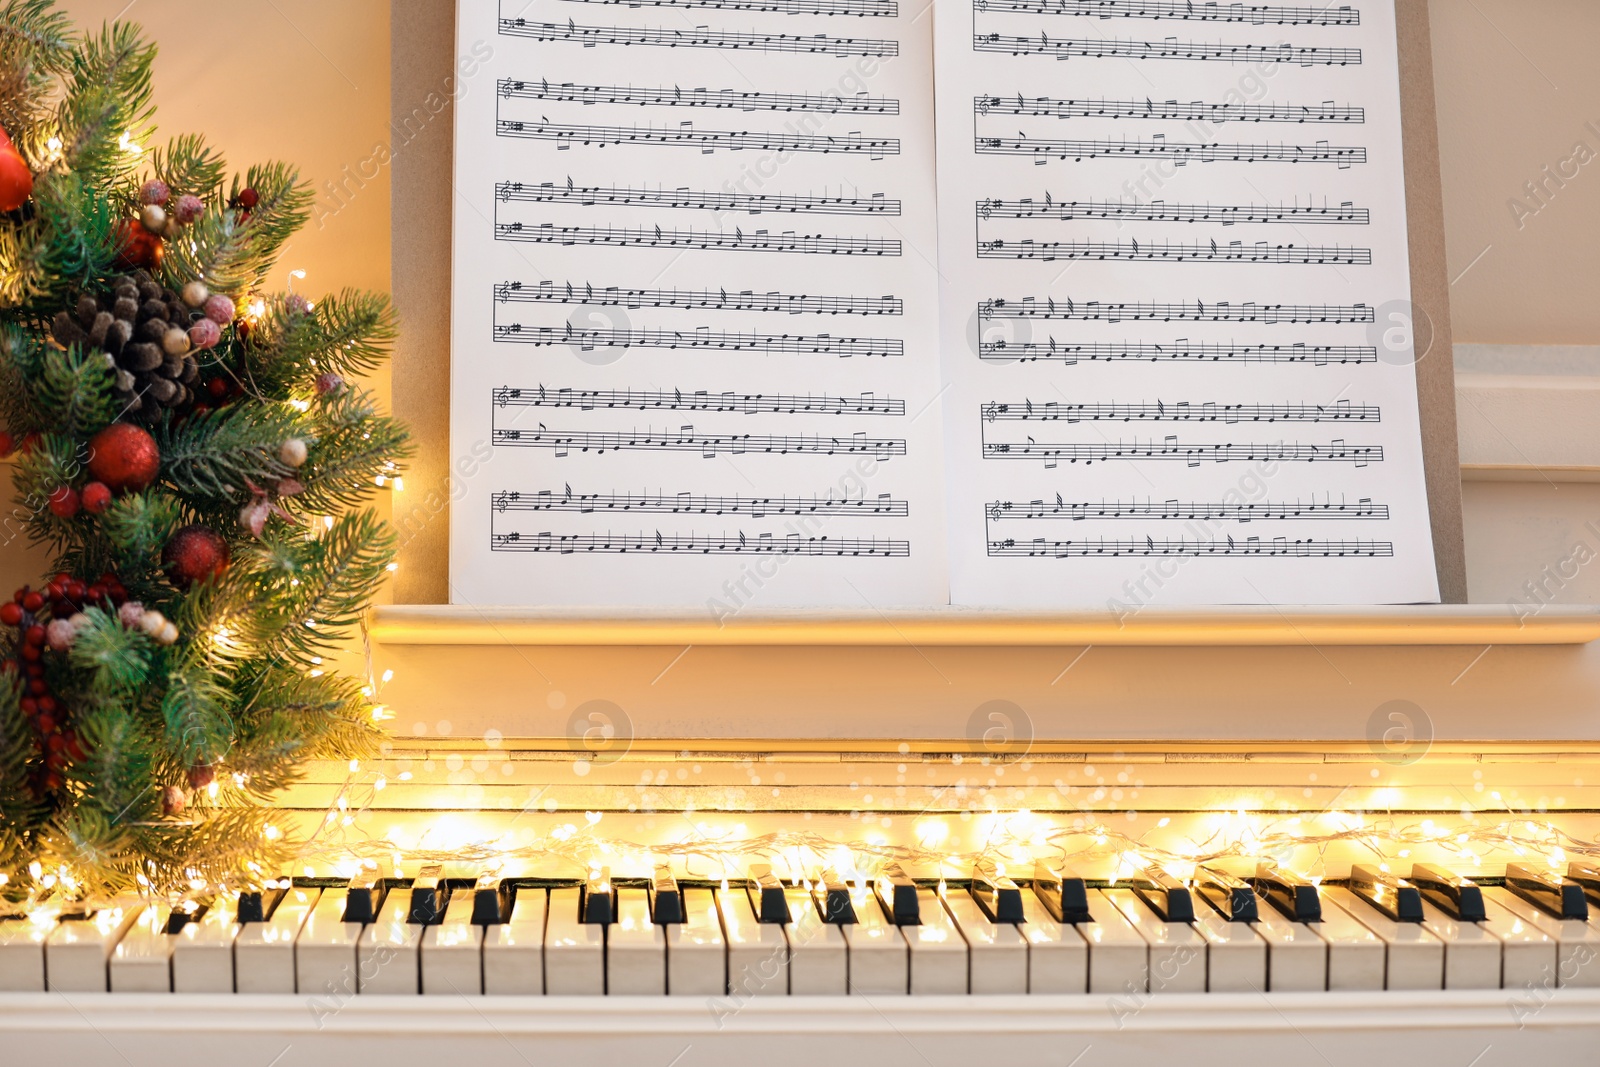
{"type": "Point", "coordinates": [868, 304]}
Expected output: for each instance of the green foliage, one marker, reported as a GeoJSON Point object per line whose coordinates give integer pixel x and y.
{"type": "Point", "coordinates": [239, 689]}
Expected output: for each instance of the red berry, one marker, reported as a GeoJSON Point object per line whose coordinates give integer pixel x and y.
{"type": "Point", "coordinates": [11, 614]}
{"type": "Point", "coordinates": [38, 687]}
{"type": "Point", "coordinates": [29, 706]}
{"type": "Point", "coordinates": [47, 704]}
{"type": "Point", "coordinates": [34, 634]}
{"type": "Point", "coordinates": [217, 387]}
{"type": "Point", "coordinates": [55, 590]}
{"type": "Point", "coordinates": [64, 502]}
{"type": "Point", "coordinates": [74, 746]}
{"type": "Point", "coordinates": [32, 601]}
{"type": "Point", "coordinates": [30, 651]}
{"type": "Point", "coordinates": [75, 590]}
{"type": "Point", "coordinates": [45, 723]}
{"type": "Point", "coordinates": [56, 744]}
{"type": "Point", "coordinates": [35, 670]}
{"type": "Point", "coordinates": [52, 782]}
{"type": "Point", "coordinates": [96, 593]}
{"type": "Point", "coordinates": [96, 497]}
{"type": "Point", "coordinates": [55, 761]}
{"type": "Point", "coordinates": [28, 443]}
{"type": "Point", "coordinates": [8, 444]}
{"type": "Point", "coordinates": [248, 199]}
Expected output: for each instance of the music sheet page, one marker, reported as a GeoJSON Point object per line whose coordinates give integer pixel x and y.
{"type": "Point", "coordinates": [1176, 321]}
{"type": "Point", "coordinates": [695, 357]}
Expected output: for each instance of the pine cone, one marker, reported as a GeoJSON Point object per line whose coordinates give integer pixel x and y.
{"type": "Point", "coordinates": [143, 329]}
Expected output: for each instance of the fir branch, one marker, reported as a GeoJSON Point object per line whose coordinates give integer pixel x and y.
{"type": "Point", "coordinates": [136, 526]}
{"type": "Point", "coordinates": [36, 42]}
{"type": "Point", "coordinates": [354, 445]}
{"type": "Point", "coordinates": [213, 456]}
{"type": "Point", "coordinates": [67, 246]}
{"type": "Point", "coordinates": [196, 709]}
{"type": "Point", "coordinates": [108, 98]}
{"type": "Point", "coordinates": [73, 391]}
{"type": "Point", "coordinates": [312, 592]}
{"type": "Point", "coordinates": [113, 661]}
{"type": "Point", "coordinates": [232, 253]}
{"type": "Point", "coordinates": [54, 461]}
{"type": "Point", "coordinates": [20, 810]}
{"type": "Point", "coordinates": [347, 333]}
{"type": "Point", "coordinates": [190, 167]}
{"type": "Point", "coordinates": [115, 774]}
{"type": "Point", "coordinates": [93, 838]}
{"type": "Point", "coordinates": [21, 356]}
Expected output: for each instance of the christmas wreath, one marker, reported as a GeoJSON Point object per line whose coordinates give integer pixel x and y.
{"type": "Point", "coordinates": [197, 454]}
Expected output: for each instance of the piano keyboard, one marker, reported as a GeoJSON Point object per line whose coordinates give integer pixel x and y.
{"type": "Point", "coordinates": [440, 937]}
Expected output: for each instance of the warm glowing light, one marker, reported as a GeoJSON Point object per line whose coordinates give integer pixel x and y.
{"type": "Point", "coordinates": [128, 144]}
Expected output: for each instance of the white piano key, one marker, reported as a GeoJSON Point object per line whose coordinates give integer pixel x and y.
{"type": "Point", "coordinates": [697, 953]}
{"type": "Point", "coordinates": [997, 955]}
{"type": "Point", "coordinates": [1415, 958]}
{"type": "Point", "coordinates": [1471, 953]}
{"type": "Point", "coordinates": [1297, 959]}
{"type": "Point", "coordinates": [879, 959]}
{"type": "Point", "coordinates": [325, 952]}
{"type": "Point", "coordinates": [1357, 957]}
{"type": "Point", "coordinates": [758, 953]}
{"type": "Point", "coordinates": [389, 951]}
{"type": "Point", "coordinates": [1577, 942]}
{"type": "Point", "coordinates": [1236, 958]}
{"type": "Point", "coordinates": [263, 953]}
{"type": "Point", "coordinates": [77, 951]}
{"type": "Point", "coordinates": [452, 951]}
{"type": "Point", "coordinates": [819, 961]}
{"type": "Point", "coordinates": [1058, 955]}
{"type": "Point", "coordinates": [1119, 958]}
{"type": "Point", "coordinates": [574, 952]}
{"type": "Point", "coordinates": [513, 951]}
{"type": "Point", "coordinates": [22, 952]}
{"type": "Point", "coordinates": [1528, 956]}
{"type": "Point", "coordinates": [142, 959]}
{"type": "Point", "coordinates": [636, 949]}
{"type": "Point", "coordinates": [938, 951]}
{"type": "Point", "coordinates": [1177, 951]}
{"type": "Point", "coordinates": [202, 952]}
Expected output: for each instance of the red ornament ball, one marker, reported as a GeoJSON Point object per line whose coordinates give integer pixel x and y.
{"type": "Point", "coordinates": [124, 457]}
{"type": "Point", "coordinates": [96, 497]}
{"type": "Point", "coordinates": [64, 502]}
{"type": "Point", "coordinates": [137, 247]}
{"type": "Point", "coordinates": [194, 554]}
{"type": "Point", "coordinates": [11, 614]}
{"type": "Point", "coordinates": [16, 179]}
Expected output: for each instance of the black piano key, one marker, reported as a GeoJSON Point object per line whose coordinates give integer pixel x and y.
{"type": "Point", "coordinates": [1548, 891]}
{"type": "Point", "coordinates": [996, 894]}
{"type": "Point", "coordinates": [182, 915]}
{"type": "Point", "coordinates": [1394, 897]}
{"type": "Point", "coordinates": [766, 895]}
{"type": "Point", "coordinates": [488, 900]}
{"type": "Point", "coordinates": [1292, 895]}
{"type": "Point", "coordinates": [1232, 897]}
{"type": "Point", "coordinates": [364, 897]}
{"type": "Point", "coordinates": [1458, 897]}
{"type": "Point", "coordinates": [428, 893]}
{"type": "Point", "coordinates": [1065, 895]}
{"type": "Point", "coordinates": [833, 898]}
{"type": "Point", "coordinates": [256, 905]}
{"type": "Point", "coordinates": [666, 899]}
{"type": "Point", "coordinates": [598, 901]}
{"type": "Point", "coordinates": [1588, 876]}
{"type": "Point", "coordinates": [1169, 897]}
{"type": "Point", "coordinates": [897, 895]}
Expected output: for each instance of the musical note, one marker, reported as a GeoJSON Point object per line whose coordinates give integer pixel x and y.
{"type": "Point", "coordinates": [720, 300]}
{"type": "Point", "coordinates": [1161, 211]}
{"type": "Point", "coordinates": [1172, 511]}
{"type": "Point", "coordinates": [1192, 454]}
{"type": "Point", "coordinates": [1174, 252]}
{"type": "Point", "coordinates": [694, 504]}
{"type": "Point", "coordinates": [696, 400]}
{"type": "Point", "coordinates": [1182, 311]}
{"type": "Point", "coordinates": [860, 8]}
{"type": "Point", "coordinates": [707, 141]}
{"type": "Point", "coordinates": [748, 203]}
{"type": "Point", "coordinates": [1181, 10]}
{"type": "Point", "coordinates": [656, 237]}
{"type": "Point", "coordinates": [701, 340]}
{"type": "Point", "coordinates": [1100, 546]}
{"type": "Point", "coordinates": [1181, 351]}
{"type": "Point", "coordinates": [699, 37]}
{"type": "Point", "coordinates": [708, 445]}
{"type": "Point", "coordinates": [1043, 45]}
{"type": "Point", "coordinates": [1167, 110]}
{"type": "Point", "coordinates": [1181, 151]}
{"type": "Point", "coordinates": [721, 99]}
{"type": "Point", "coordinates": [1183, 411]}
{"type": "Point", "coordinates": [702, 544]}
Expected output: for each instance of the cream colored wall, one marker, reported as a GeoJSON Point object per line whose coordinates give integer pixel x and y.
{"type": "Point", "coordinates": [313, 87]}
